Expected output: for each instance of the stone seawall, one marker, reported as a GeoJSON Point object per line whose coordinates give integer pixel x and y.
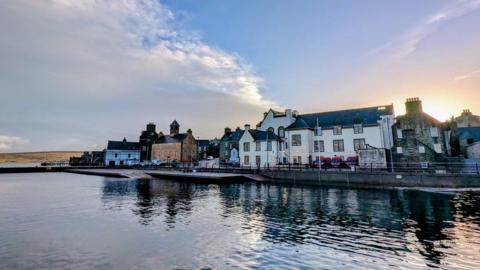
{"type": "Point", "coordinates": [379, 180]}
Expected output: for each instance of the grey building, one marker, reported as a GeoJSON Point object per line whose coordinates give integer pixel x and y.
{"type": "Point", "coordinates": [229, 142]}
{"type": "Point", "coordinates": [418, 137]}
{"type": "Point", "coordinates": [148, 137]}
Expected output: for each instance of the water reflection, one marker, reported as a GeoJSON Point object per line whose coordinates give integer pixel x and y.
{"type": "Point", "coordinates": [397, 226]}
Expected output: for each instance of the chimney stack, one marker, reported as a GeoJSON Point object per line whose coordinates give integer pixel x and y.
{"type": "Point", "coordinates": [413, 105]}
{"type": "Point", "coordinates": [247, 127]}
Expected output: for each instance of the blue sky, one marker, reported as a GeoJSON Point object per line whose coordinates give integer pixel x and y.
{"type": "Point", "coordinates": [77, 73]}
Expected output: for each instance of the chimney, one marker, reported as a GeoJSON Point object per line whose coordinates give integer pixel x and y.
{"type": "Point", "coordinates": [237, 129]}
{"type": "Point", "coordinates": [413, 105]}
{"type": "Point", "coordinates": [228, 130]}
{"type": "Point", "coordinates": [189, 131]}
{"type": "Point", "coordinates": [247, 127]}
{"type": "Point", "coordinates": [288, 113]}
{"type": "Point", "coordinates": [466, 112]}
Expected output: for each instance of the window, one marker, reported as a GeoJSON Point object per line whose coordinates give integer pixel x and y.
{"type": "Point", "coordinates": [271, 129]}
{"type": "Point", "coordinates": [129, 155]}
{"type": "Point", "coordinates": [116, 155]}
{"type": "Point", "coordinates": [338, 146]}
{"type": "Point", "coordinates": [246, 160]}
{"type": "Point", "coordinates": [246, 147]}
{"type": "Point", "coordinates": [269, 146]}
{"type": "Point", "coordinates": [337, 130]}
{"type": "Point", "coordinates": [318, 146]}
{"type": "Point", "coordinates": [281, 132]}
{"type": "Point", "coordinates": [286, 145]}
{"type": "Point", "coordinates": [297, 140]}
{"type": "Point", "coordinates": [258, 146]}
{"type": "Point", "coordinates": [357, 129]}
{"type": "Point", "coordinates": [421, 149]}
{"type": "Point", "coordinates": [399, 150]}
{"type": "Point", "coordinates": [317, 131]}
{"type": "Point", "coordinates": [258, 160]}
{"type": "Point", "coordinates": [297, 160]}
{"type": "Point", "coordinates": [280, 146]}
{"type": "Point", "coordinates": [434, 132]}
{"type": "Point", "coordinates": [359, 144]}
{"type": "Point", "coordinates": [399, 133]}
{"type": "Point", "coordinates": [470, 140]}
{"type": "Point", "coordinates": [438, 148]}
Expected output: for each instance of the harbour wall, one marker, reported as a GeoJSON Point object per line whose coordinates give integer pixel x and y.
{"type": "Point", "coordinates": [374, 179]}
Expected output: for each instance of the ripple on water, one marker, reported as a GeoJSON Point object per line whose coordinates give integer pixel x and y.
{"type": "Point", "coordinates": [82, 222]}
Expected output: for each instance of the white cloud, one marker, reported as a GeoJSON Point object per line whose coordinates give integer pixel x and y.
{"type": "Point", "coordinates": [408, 43]}
{"type": "Point", "coordinates": [9, 142]}
{"type": "Point", "coordinates": [467, 75]}
{"type": "Point", "coordinates": [71, 65]}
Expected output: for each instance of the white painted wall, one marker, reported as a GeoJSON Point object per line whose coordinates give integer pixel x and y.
{"type": "Point", "coordinates": [373, 135]}
{"type": "Point", "coordinates": [122, 155]}
{"type": "Point", "coordinates": [267, 158]}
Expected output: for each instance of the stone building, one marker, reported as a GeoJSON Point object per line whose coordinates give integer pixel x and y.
{"type": "Point", "coordinates": [148, 137]}
{"type": "Point", "coordinates": [180, 147]}
{"type": "Point", "coordinates": [228, 146]}
{"type": "Point", "coordinates": [467, 119]}
{"type": "Point", "coordinates": [418, 137]}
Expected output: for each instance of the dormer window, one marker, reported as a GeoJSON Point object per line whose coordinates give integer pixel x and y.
{"type": "Point", "coordinates": [317, 131]}
{"type": "Point", "coordinates": [281, 132]}
{"type": "Point", "coordinates": [357, 128]}
{"type": "Point", "coordinates": [337, 130]}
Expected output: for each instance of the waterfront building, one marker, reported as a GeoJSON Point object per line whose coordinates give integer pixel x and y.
{"type": "Point", "coordinates": [176, 146]}
{"type": "Point", "coordinates": [203, 147]}
{"type": "Point", "coordinates": [467, 136]}
{"type": "Point", "coordinates": [340, 135]}
{"type": "Point", "coordinates": [94, 158]}
{"type": "Point", "coordinates": [229, 146]}
{"type": "Point", "coordinates": [467, 119]}
{"type": "Point", "coordinates": [122, 153]}
{"type": "Point", "coordinates": [259, 148]}
{"type": "Point", "coordinates": [418, 137]}
{"type": "Point", "coordinates": [147, 138]}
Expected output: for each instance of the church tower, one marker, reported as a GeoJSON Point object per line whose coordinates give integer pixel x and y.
{"type": "Point", "coordinates": [174, 128]}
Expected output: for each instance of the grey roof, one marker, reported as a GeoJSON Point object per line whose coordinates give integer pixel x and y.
{"type": "Point", "coordinates": [177, 138]}
{"type": "Point", "coordinates": [123, 145]}
{"type": "Point", "coordinates": [469, 132]}
{"type": "Point", "coordinates": [259, 135]}
{"type": "Point", "coordinates": [203, 143]}
{"type": "Point", "coordinates": [345, 118]}
{"type": "Point", "coordinates": [233, 136]}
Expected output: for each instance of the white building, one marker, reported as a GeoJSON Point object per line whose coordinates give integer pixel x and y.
{"type": "Point", "coordinates": [259, 148]}
{"type": "Point", "coordinates": [122, 153]}
{"type": "Point", "coordinates": [336, 134]}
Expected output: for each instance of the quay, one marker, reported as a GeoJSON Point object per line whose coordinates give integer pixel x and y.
{"type": "Point", "coordinates": [317, 178]}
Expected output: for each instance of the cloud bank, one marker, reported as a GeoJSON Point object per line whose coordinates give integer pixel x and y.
{"type": "Point", "coordinates": [8, 142]}
{"type": "Point", "coordinates": [77, 72]}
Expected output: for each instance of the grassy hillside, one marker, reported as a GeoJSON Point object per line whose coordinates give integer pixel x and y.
{"type": "Point", "coordinates": [32, 157]}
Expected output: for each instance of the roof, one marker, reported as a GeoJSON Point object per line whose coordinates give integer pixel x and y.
{"type": "Point", "coordinates": [177, 138]}
{"type": "Point", "coordinates": [233, 136]}
{"type": "Point", "coordinates": [469, 132]}
{"type": "Point", "coordinates": [345, 118]}
{"type": "Point", "coordinates": [259, 135]}
{"type": "Point", "coordinates": [123, 145]}
{"type": "Point", "coordinates": [203, 143]}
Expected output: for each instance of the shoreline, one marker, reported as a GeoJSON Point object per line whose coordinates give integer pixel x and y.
{"type": "Point", "coordinates": [376, 180]}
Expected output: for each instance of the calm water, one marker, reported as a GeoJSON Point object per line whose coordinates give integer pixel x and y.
{"type": "Point", "coordinates": [51, 221]}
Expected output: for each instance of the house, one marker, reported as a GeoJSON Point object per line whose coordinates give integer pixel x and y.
{"type": "Point", "coordinates": [122, 153]}
{"type": "Point", "coordinates": [180, 147]}
{"type": "Point", "coordinates": [467, 119]}
{"type": "Point", "coordinates": [473, 151]}
{"type": "Point", "coordinates": [94, 158]}
{"type": "Point", "coordinates": [277, 122]}
{"type": "Point", "coordinates": [339, 135]}
{"type": "Point", "coordinates": [228, 146]}
{"type": "Point", "coordinates": [147, 138]}
{"type": "Point", "coordinates": [203, 147]}
{"type": "Point", "coordinates": [259, 148]}
{"type": "Point", "coordinates": [467, 136]}
{"type": "Point", "coordinates": [418, 137]}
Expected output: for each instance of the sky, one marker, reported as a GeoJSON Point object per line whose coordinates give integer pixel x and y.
{"type": "Point", "coordinates": [76, 73]}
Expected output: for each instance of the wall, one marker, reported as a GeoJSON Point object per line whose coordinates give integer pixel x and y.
{"type": "Point", "coordinates": [473, 151]}
{"type": "Point", "coordinates": [166, 151]}
{"type": "Point", "coordinates": [375, 180]}
{"type": "Point", "coordinates": [189, 148]}
{"type": "Point", "coordinates": [304, 150]}
{"type": "Point", "coordinates": [122, 156]}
